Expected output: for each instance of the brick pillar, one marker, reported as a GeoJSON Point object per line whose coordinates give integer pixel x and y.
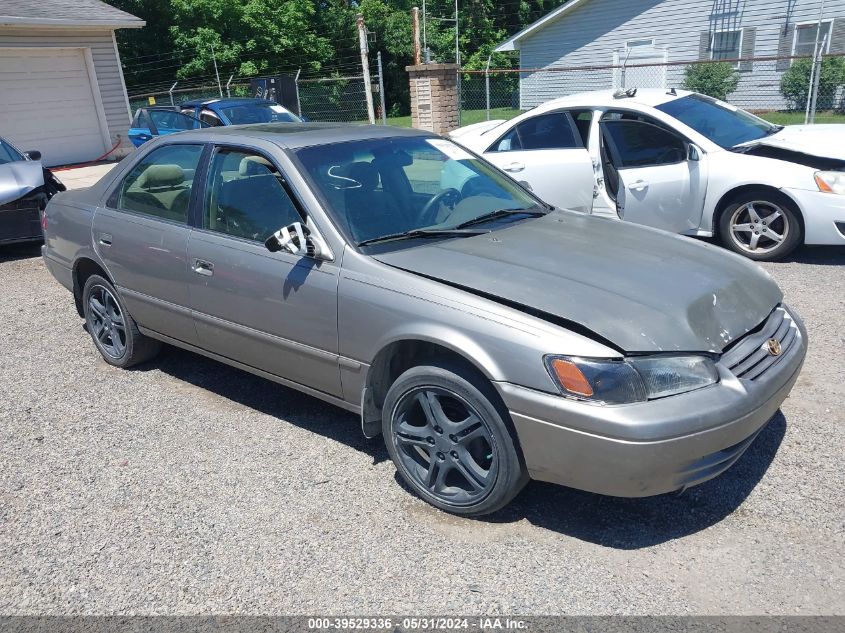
{"type": "Point", "coordinates": [434, 97]}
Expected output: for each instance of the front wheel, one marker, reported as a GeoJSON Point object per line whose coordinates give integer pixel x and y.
{"type": "Point", "coordinates": [449, 438]}
{"type": "Point", "coordinates": [761, 225]}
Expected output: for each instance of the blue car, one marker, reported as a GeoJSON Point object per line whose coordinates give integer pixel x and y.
{"type": "Point", "coordinates": [237, 111]}
{"type": "Point", "coordinates": [190, 115]}
{"type": "Point", "coordinates": [158, 121]}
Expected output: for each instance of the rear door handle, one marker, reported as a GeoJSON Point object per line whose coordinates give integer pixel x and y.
{"type": "Point", "coordinates": [514, 166]}
{"type": "Point", "coordinates": [202, 267]}
{"type": "Point", "coordinates": [638, 185]}
{"type": "Point", "coordinates": [105, 239]}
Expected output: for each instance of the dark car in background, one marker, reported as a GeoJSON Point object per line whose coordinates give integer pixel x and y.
{"type": "Point", "coordinates": [237, 111]}
{"type": "Point", "coordinates": [155, 121]}
{"type": "Point", "coordinates": [25, 187]}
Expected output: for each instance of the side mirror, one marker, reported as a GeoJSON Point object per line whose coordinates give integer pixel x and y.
{"type": "Point", "coordinates": [33, 154]}
{"type": "Point", "coordinates": [693, 153]}
{"type": "Point", "coordinates": [296, 239]}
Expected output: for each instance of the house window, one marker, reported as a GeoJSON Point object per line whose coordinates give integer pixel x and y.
{"type": "Point", "coordinates": [805, 39]}
{"type": "Point", "coordinates": [726, 45]}
{"type": "Point", "coordinates": [639, 43]}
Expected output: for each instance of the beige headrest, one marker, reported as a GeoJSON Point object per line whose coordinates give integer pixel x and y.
{"type": "Point", "coordinates": [255, 166]}
{"type": "Point", "coordinates": [162, 176]}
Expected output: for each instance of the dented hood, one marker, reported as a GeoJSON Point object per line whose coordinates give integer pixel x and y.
{"type": "Point", "coordinates": [826, 141]}
{"type": "Point", "coordinates": [19, 178]}
{"type": "Point", "coordinates": [641, 289]}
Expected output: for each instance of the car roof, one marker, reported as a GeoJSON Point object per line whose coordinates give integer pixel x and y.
{"type": "Point", "coordinates": [649, 97]}
{"type": "Point", "coordinates": [298, 135]}
{"type": "Point", "coordinates": [227, 102]}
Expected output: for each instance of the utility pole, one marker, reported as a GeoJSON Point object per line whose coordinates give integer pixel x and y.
{"type": "Point", "coordinates": [458, 60]}
{"type": "Point", "coordinates": [365, 67]}
{"type": "Point", "coordinates": [381, 89]}
{"type": "Point", "coordinates": [415, 25]}
{"type": "Point", "coordinates": [425, 43]}
{"type": "Point", "coordinates": [214, 59]}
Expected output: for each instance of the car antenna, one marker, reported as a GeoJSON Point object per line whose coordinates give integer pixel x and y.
{"type": "Point", "coordinates": [672, 92]}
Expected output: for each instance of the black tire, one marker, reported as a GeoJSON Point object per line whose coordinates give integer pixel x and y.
{"type": "Point", "coordinates": [757, 231]}
{"type": "Point", "coordinates": [474, 462]}
{"type": "Point", "coordinates": [112, 328]}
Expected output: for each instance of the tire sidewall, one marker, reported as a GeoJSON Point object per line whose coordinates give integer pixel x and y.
{"type": "Point", "coordinates": [793, 239]}
{"type": "Point", "coordinates": [125, 359]}
{"type": "Point", "coordinates": [510, 471]}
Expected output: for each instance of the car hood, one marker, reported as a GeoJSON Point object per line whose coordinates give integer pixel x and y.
{"type": "Point", "coordinates": [826, 141]}
{"type": "Point", "coordinates": [19, 178]}
{"type": "Point", "coordinates": [641, 289]}
{"type": "Point", "coordinates": [471, 136]}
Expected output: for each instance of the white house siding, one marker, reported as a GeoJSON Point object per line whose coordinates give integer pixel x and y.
{"type": "Point", "coordinates": [106, 66]}
{"type": "Point", "coordinates": [589, 34]}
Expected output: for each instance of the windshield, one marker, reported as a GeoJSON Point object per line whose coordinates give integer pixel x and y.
{"type": "Point", "coordinates": [258, 113]}
{"type": "Point", "coordinates": [383, 187]}
{"type": "Point", "coordinates": [723, 124]}
{"type": "Point", "coordinates": [8, 154]}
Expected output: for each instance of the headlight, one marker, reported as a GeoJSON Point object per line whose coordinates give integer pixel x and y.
{"type": "Point", "coordinates": [635, 379]}
{"type": "Point", "coordinates": [831, 181]}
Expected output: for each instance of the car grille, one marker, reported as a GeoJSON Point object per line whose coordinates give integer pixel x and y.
{"type": "Point", "coordinates": [750, 357]}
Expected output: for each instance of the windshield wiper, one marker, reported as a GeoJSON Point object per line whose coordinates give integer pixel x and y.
{"type": "Point", "coordinates": [501, 213]}
{"type": "Point", "coordinates": [407, 235]}
{"type": "Point", "coordinates": [774, 129]}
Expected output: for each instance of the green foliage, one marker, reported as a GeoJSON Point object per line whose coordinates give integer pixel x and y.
{"type": "Point", "coordinates": [318, 37]}
{"type": "Point", "coordinates": [718, 79]}
{"type": "Point", "coordinates": [795, 83]}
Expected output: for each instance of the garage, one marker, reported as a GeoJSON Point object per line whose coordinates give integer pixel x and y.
{"type": "Point", "coordinates": [61, 82]}
{"type": "Point", "coordinates": [49, 104]}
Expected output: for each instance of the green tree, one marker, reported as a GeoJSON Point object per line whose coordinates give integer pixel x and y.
{"type": "Point", "coordinates": [718, 79]}
{"type": "Point", "coordinates": [795, 83]}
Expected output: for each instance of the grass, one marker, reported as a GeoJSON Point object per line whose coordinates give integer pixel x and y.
{"type": "Point", "coordinates": [797, 118]}
{"type": "Point", "coordinates": [468, 117]}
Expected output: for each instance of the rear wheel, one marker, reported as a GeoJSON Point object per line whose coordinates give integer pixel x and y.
{"type": "Point", "coordinates": [450, 440]}
{"type": "Point", "coordinates": [114, 332]}
{"type": "Point", "coordinates": [761, 225]}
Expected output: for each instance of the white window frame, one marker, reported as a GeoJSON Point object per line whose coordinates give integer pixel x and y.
{"type": "Point", "coordinates": [741, 32]}
{"type": "Point", "coordinates": [798, 25]}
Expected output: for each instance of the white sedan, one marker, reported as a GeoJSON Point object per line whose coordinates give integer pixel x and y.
{"type": "Point", "coordinates": [678, 161]}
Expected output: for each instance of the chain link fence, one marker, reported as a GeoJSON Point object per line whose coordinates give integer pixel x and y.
{"type": "Point", "coordinates": [340, 98]}
{"type": "Point", "coordinates": [781, 89]}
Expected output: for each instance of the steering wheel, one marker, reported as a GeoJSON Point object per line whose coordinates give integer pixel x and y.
{"type": "Point", "coordinates": [450, 197]}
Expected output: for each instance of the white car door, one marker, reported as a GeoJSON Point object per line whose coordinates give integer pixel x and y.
{"type": "Point", "coordinates": [661, 182]}
{"type": "Point", "coordinates": [548, 153]}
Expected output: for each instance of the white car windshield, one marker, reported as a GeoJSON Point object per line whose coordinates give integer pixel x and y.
{"type": "Point", "coordinates": [8, 154]}
{"type": "Point", "coordinates": [723, 124]}
{"type": "Point", "coordinates": [383, 189]}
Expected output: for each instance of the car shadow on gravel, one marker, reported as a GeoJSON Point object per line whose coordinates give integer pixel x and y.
{"type": "Point", "coordinates": [13, 252]}
{"type": "Point", "coordinates": [817, 255]}
{"type": "Point", "coordinates": [636, 523]}
{"type": "Point", "coordinates": [265, 396]}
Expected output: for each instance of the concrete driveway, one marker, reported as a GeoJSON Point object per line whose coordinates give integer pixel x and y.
{"type": "Point", "coordinates": [81, 177]}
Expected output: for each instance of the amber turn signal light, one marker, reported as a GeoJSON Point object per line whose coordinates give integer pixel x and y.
{"type": "Point", "coordinates": [571, 378]}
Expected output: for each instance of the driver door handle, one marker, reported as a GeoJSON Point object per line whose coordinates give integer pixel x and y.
{"type": "Point", "coordinates": [514, 167]}
{"type": "Point", "coordinates": [638, 185]}
{"type": "Point", "coordinates": [202, 267]}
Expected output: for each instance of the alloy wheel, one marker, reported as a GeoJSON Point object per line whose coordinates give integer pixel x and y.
{"type": "Point", "coordinates": [759, 227]}
{"type": "Point", "coordinates": [444, 445]}
{"type": "Point", "coordinates": [107, 323]}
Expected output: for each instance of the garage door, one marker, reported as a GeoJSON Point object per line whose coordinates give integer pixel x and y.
{"type": "Point", "coordinates": [47, 103]}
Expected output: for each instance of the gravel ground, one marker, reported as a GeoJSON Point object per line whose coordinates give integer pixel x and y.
{"type": "Point", "coordinates": [187, 487]}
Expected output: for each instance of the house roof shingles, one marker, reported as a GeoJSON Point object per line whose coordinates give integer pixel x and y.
{"type": "Point", "coordinates": [65, 13]}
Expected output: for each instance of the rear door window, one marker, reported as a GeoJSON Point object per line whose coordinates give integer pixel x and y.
{"type": "Point", "coordinates": [160, 184]}
{"type": "Point", "coordinates": [545, 131]}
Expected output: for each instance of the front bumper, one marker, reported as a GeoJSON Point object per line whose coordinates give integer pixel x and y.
{"type": "Point", "coordinates": [650, 448]}
{"type": "Point", "coordinates": [824, 216]}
